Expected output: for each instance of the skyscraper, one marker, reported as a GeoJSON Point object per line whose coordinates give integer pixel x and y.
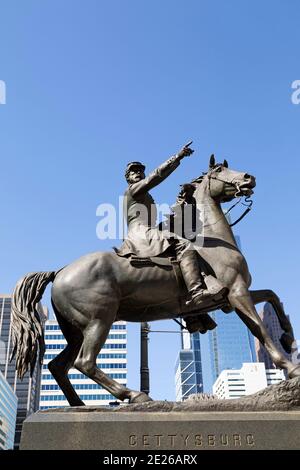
{"type": "Point", "coordinates": [231, 343]}
{"type": "Point", "coordinates": [275, 331]}
{"type": "Point", "coordinates": [28, 389]}
{"type": "Point", "coordinates": [8, 414]}
{"type": "Point", "coordinates": [112, 359]}
{"type": "Point", "coordinates": [188, 367]}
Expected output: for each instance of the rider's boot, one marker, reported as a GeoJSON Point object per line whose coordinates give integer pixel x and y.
{"type": "Point", "coordinates": [199, 323]}
{"type": "Point", "coordinates": [200, 289]}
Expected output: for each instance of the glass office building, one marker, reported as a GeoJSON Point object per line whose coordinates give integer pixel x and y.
{"type": "Point", "coordinates": [112, 360]}
{"type": "Point", "coordinates": [8, 414]}
{"type": "Point", "coordinates": [271, 322]}
{"type": "Point", "coordinates": [28, 389]}
{"type": "Point", "coordinates": [231, 343]}
{"type": "Point", "coordinates": [188, 367]}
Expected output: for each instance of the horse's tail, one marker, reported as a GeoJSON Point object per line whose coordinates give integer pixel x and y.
{"type": "Point", "coordinates": [27, 331]}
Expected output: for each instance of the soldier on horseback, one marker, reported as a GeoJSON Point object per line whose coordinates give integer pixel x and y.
{"type": "Point", "coordinates": [100, 288]}
{"type": "Point", "coordinates": [145, 240]}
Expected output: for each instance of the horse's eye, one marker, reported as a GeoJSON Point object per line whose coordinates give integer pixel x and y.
{"type": "Point", "coordinates": [219, 169]}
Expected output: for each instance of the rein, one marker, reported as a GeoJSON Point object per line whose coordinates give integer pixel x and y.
{"type": "Point", "coordinates": [248, 205]}
{"type": "Point", "coordinates": [248, 201]}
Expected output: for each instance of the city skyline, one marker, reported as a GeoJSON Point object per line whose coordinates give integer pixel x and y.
{"type": "Point", "coordinates": [26, 390]}
{"type": "Point", "coordinates": [188, 366]}
{"type": "Point", "coordinates": [271, 322]}
{"type": "Point", "coordinates": [92, 87]}
{"type": "Point", "coordinates": [248, 379]}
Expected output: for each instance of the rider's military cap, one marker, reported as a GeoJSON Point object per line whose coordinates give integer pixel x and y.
{"type": "Point", "coordinates": [134, 164]}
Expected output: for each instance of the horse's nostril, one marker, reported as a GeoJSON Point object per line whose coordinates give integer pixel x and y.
{"type": "Point", "coordinates": [247, 177]}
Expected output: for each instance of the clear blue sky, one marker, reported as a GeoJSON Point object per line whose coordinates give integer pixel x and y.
{"type": "Point", "coordinates": [92, 85]}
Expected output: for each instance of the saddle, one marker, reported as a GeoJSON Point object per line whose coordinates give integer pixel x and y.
{"type": "Point", "coordinates": [201, 322]}
{"type": "Point", "coordinates": [168, 262]}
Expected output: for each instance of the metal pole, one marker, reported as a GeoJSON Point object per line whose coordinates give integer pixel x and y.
{"type": "Point", "coordinates": [145, 387]}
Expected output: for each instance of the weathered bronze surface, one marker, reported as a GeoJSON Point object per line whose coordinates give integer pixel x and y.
{"type": "Point", "coordinates": [93, 292]}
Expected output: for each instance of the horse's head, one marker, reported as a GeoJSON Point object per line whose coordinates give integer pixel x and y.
{"type": "Point", "coordinates": [225, 184]}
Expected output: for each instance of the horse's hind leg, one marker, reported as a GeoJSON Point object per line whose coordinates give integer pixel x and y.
{"type": "Point", "coordinates": [59, 368]}
{"type": "Point", "coordinates": [241, 300]}
{"type": "Point", "coordinates": [266, 295]}
{"type": "Point", "coordinates": [95, 335]}
{"type": "Point", "coordinates": [61, 364]}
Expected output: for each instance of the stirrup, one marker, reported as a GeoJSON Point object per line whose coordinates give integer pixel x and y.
{"type": "Point", "coordinates": [200, 295]}
{"type": "Point", "coordinates": [194, 325]}
{"type": "Point", "coordinates": [199, 323]}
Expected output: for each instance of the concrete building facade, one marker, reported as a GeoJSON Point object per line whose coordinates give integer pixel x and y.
{"type": "Point", "coordinates": [251, 378]}
{"type": "Point", "coordinates": [112, 360]}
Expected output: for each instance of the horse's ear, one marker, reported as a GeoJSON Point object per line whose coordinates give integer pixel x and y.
{"type": "Point", "coordinates": [212, 161]}
{"type": "Point", "coordinates": [225, 163]}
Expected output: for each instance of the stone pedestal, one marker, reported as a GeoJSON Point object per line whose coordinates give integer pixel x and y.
{"type": "Point", "coordinates": [83, 429]}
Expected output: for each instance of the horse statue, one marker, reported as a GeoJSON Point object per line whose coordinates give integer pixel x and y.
{"type": "Point", "coordinates": [101, 288]}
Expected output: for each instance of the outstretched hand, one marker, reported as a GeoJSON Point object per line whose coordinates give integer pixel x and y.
{"type": "Point", "coordinates": [186, 151]}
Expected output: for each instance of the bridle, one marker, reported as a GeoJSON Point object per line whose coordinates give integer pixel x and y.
{"type": "Point", "coordinates": [238, 194]}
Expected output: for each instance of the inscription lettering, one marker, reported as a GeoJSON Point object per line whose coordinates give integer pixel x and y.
{"type": "Point", "coordinates": [158, 439]}
{"type": "Point", "coordinates": [172, 436]}
{"type": "Point", "coordinates": [237, 439]}
{"type": "Point", "coordinates": [192, 440]}
{"type": "Point", "coordinates": [224, 439]}
{"type": "Point", "coordinates": [133, 440]}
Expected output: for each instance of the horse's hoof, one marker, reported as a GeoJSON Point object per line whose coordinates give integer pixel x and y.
{"type": "Point", "coordinates": [139, 397]}
{"type": "Point", "coordinates": [294, 372]}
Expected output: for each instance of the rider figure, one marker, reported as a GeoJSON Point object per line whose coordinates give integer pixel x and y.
{"type": "Point", "coordinates": [144, 239]}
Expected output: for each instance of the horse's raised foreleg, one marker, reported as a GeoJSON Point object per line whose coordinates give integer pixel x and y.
{"type": "Point", "coordinates": [241, 300]}
{"type": "Point", "coordinates": [94, 337]}
{"type": "Point", "coordinates": [266, 295]}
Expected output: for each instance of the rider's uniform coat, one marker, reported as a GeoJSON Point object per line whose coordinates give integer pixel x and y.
{"type": "Point", "coordinates": [144, 239]}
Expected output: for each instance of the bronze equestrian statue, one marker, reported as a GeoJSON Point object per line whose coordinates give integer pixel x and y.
{"type": "Point", "coordinates": [145, 240]}
{"type": "Point", "coordinates": [100, 288]}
